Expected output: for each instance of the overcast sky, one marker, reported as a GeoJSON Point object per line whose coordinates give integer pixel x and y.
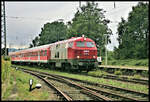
{"type": "Point", "coordinates": [25, 19]}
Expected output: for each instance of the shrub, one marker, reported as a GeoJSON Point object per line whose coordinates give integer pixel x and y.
{"type": "Point", "coordinates": [145, 73]}
{"type": "Point", "coordinates": [5, 69]}
{"type": "Point", "coordinates": [7, 58]}
{"type": "Point", "coordinates": [137, 76]}
{"type": "Point", "coordinates": [118, 72]}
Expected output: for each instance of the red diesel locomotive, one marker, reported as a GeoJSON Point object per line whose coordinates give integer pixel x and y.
{"type": "Point", "coordinates": [76, 53]}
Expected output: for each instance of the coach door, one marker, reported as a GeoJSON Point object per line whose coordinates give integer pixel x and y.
{"type": "Point", "coordinates": [38, 55]}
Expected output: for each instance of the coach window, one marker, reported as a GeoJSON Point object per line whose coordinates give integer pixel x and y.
{"type": "Point", "coordinates": [35, 53]}
{"type": "Point", "coordinates": [57, 46]}
{"type": "Point", "coordinates": [41, 53]}
{"type": "Point", "coordinates": [45, 52]}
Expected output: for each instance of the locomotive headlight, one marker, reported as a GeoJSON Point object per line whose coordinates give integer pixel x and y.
{"type": "Point", "coordinates": [78, 56]}
{"type": "Point", "coordinates": [93, 56]}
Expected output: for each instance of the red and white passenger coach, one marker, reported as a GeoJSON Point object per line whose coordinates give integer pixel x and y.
{"type": "Point", "coordinates": [75, 53]}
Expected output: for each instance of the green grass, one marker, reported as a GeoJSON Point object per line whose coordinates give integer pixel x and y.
{"type": "Point", "coordinates": [22, 87]}
{"type": "Point", "coordinates": [15, 82]}
{"type": "Point", "coordinates": [131, 86]}
{"type": "Point", "coordinates": [128, 62]}
{"type": "Point", "coordinates": [5, 68]}
{"type": "Point", "coordinates": [97, 73]}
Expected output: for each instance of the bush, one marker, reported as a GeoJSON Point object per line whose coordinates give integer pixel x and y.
{"type": "Point", "coordinates": [7, 58]}
{"type": "Point", "coordinates": [129, 62]}
{"type": "Point", "coordinates": [5, 68]}
{"type": "Point", "coordinates": [145, 73]}
{"type": "Point", "coordinates": [118, 72]}
{"type": "Point", "coordinates": [137, 76]}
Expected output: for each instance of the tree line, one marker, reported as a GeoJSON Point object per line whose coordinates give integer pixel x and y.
{"type": "Point", "coordinates": [133, 34]}
{"type": "Point", "coordinates": [90, 21]}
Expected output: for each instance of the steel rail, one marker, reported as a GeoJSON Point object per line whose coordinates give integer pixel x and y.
{"type": "Point", "coordinates": [96, 90]}
{"type": "Point", "coordinates": [97, 84]}
{"type": "Point", "coordinates": [46, 81]}
{"type": "Point", "coordinates": [110, 86]}
{"type": "Point", "coordinates": [112, 93]}
{"type": "Point", "coordinates": [140, 81]}
{"type": "Point", "coordinates": [88, 91]}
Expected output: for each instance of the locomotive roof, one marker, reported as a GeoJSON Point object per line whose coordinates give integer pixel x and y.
{"type": "Point", "coordinates": [48, 45]}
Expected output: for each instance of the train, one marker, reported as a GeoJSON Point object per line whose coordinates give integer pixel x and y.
{"type": "Point", "coordinates": [76, 53]}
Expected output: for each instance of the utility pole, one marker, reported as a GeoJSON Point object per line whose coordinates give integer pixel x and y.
{"type": "Point", "coordinates": [79, 4]}
{"type": "Point", "coordinates": [105, 49]}
{"type": "Point", "coordinates": [58, 35]}
{"type": "Point", "coordinates": [3, 29]}
{"type": "Point", "coordinates": [114, 5]}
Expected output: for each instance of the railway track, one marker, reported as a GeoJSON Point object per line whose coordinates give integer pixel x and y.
{"type": "Point", "coordinates": [123, 79]}
{"type": "Point", "coordinates": [65, 96]}
{"type": "Point", "coordinates": [111, 94]}
{"type": "Point", "coordinates": [104, 90]}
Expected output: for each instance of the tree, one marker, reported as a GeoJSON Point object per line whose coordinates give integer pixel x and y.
{"type": "Point", "coordinates": [50, 33]}
{"type": "Point", "coordinates": [91, 22]}
{"type": "Point", "coordinates": [53, 32]}
{"type": "Point", "coordinates": [133, 34]}
{"type": "Point", "coordinates": [35, 42]}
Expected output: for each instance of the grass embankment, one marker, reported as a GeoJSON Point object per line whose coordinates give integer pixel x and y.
{"type": "Point", "coordinates": [15, 85]}
{"type": "Point", "coordinates": [137, 87]}
{"type": "Point", "coordinates": [128, 62]}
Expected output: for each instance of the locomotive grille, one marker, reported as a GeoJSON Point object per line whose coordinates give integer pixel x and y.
{"type": "Point", "coordinates": [85, 54]}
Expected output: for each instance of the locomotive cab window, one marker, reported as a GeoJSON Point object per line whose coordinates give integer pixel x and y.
{"type": "Point", "coordinates": [80, 44]}
{"type": "Point", "coordinates": [90, 44]}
